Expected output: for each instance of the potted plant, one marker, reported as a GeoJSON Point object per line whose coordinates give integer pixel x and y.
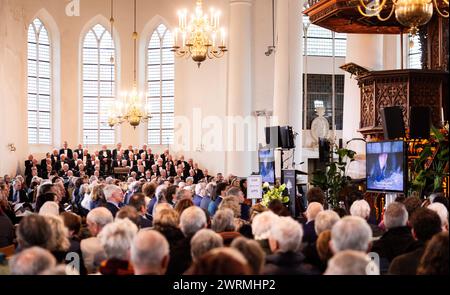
{"type": "Point", "coordinates": [275, 193]}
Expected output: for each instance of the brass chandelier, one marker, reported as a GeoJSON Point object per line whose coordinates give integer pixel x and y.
{"type": "Point", "coordinates": [200, 37]}
{"type": "Point", "coordinates": [409, 13]}
{"type": "Point", "coordinates": [130, 106]}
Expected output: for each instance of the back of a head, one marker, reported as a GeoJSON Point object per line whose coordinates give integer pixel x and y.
{"type": "Point", "coordinates": [100, 216]}
{"type": "Point", "coordinates": [360, 208]}
{"type": "Point", "coordinates": [116, 238]}
{"type": "Point", "coordinates": [49, 209]}
{"type": "Point", "coordinates": [72, 221]}
{"type": "Point", "coordinates": [31, 261]}
{"type": "Point", "coordinates": [192, 220]}
{"type": "Point", "coordinates": [233, 191]}
{"type": "Point", "coordinates": [351, 233]}
{"type": "Point", "coordinates": [313, 209]}
{"type": "Point", "coordinates": [412, 204]}
{"type": "Point", "coordinates": [425, 223]}
{"type": "Point", "coordinates": [287, 233]}
{"type": "Point", "coordinates": [221, 261]}
{"type": "Point", "coordinates": [182, 205]}
{"type": "Point", "coordinates": [42, 199]}
{"type": "Point", "coordinates": [252, 252]}
{"type": "Point", "coordinates": [262, 224]}
{"type": "Point", "coordinates": [34, 230]}
{"type": "Point", "coordinates": [203, 241]}
{"type": "Point", "coordinates": [223, 221]}
{"type": "Point", "coordinates": [435, 259]}
{"type": "Point", "coordinates": [231, 202]}
{"type": "Point", "coordinates": [166, 217]}
{"type": "Point", "coordinates": [441, 210]}
{"type": "Point", "coordinates": [351, 262]}
{"type": "Point", "coordinates": [137, 201]}
{"type": "Point", "coordinates": [441, 199]}
{"type": "Point", "coordinates": [219, 188]}
{"type": "Point", "coordinates": [323, 246]}
{"type": "Point", "coordinates": [395, 215]}
{"type": "Point", "coordinates": [148, 250]}
{"type": "Point", "coordinates": [130, 213]}
{"type": "Point", "coordinates": [315, 194]}
{"type": "Point", "coordinates": [325, 221]}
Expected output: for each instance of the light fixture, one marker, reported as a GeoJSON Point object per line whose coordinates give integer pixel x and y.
{"type": "Point", "coordinates": [199, 37]}
{"type": "Point", "coordinates": [409, 13]}
{"type": "Point", "coordinates": [130, 106]}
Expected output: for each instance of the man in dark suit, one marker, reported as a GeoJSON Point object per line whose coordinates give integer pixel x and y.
{"type": "Point", "coordinates": [114, 198]}
{"type": "Point", "coordinates": [79, 151]}
{"type": "Point", "coordinates": [17, 194]}
{"type": "Point", "coordinates": [105, 158]}
{"type": "Point", "coordinates": [425, 224]}
{"type": "Point", "coordinates": [310, 235]}
{"type": "Point", "coordinates": [55, 160]}
{"type": "Point", "coordinates": [128, 151]}
{"type": "Point", "coordinates": [198, 173]}
{"type": "Point", "coordinates": [143, 150]}
{"type": "Point", "coordinates": [117, 150]}
{"type": "Point", "coordinates": [150, 156]}
{"type": "Point", "coordinates": [137, 201]}
{"type": "Point", "coordinates": [28, 165]}
{"type": "Point", "coordinates": [66, 151]}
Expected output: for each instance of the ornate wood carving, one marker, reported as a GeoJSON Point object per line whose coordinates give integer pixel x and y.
{"type": "Point", "coordinates": [403, 88]}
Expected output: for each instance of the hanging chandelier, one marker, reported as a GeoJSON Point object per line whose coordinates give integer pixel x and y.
{"type": "Point", "coordinates": [130, 106]}
{"type": "Point", "coordinates": [200, 37]}
{"type": "Point", "coordinates": [409, 13]}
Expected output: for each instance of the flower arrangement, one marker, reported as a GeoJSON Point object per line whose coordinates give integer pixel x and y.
{"type": "Point", "coordinates": [275, 193]}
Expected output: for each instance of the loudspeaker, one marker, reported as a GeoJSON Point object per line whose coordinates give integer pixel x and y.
{"type": "Point", "coordinates": [287, 137]}
{"type": "Point", "coordinates": [392, 120]}
{"type": "Point", "coordinates": [273, 137]}
{"type": "Point", "coordinates": [419, 122]}
{"type": "Point", "coordinates": [324, 150]}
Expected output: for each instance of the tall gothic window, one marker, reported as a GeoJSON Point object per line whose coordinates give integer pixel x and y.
{"type": "Point", "coordinates": [414, 53]}
{"type": "Point", "coordinates": [39, 84]}
{"type": "Point", "coordinates": [99, 85]}
{"type": "Point", "coordinates": [161, 87]}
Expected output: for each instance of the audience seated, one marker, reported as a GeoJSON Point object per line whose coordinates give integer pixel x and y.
{"type": "Point", "coordinates": [362, 209]}
{"type": "Point", "coordinates": [223, 224]}
{"type": "Point", "coordinates": [435, 258]}
{"type": "Point", "coordinates": [31, 261]}
{"type": "Point", "coordinates": [221, 261]}
{"type": "Point", "coordinates": [351, 262]}
{"type": "Point", "coordinates": [149, 253]}
{"type": "Point", "coordinates": [203, 241]}
{"type": "Point", "coordinates": [350, 233]}
{"type": "Point", "coordinates": [252, 252]}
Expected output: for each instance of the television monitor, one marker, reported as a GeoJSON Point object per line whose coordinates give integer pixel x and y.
{"type": "Point", "coordinates": [386, 166]}
{"type": "Point", "coordinates": [267, 165]}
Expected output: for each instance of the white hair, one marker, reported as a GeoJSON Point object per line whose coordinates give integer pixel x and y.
{"type": "Point", "coordinates": [351, 263]}
{"type": "Point", "coordinates": [395, 215]}
{"type": "Point", "coordinates": [288, 233]}
{"type": "Point", "coordinates": [109, 191]}
{"type": "Point", "coordinates": [49, 209]}
{"type": "Point", "coordinates": [31, 261]}
{"type": "Point", "coordinates": [117, 237]}
{"type": "Point", "coordinates": [351, 233]}
{"type": "Point", "coordinates": [148, 249]}
{"type": "Point", "coordinates": [325, 221]}
{"type": "Point", "coordinates": [313, 209]}
{"type": "Point", "coordinates": [192, 220]}
{"type": "Point", "coordinates": [109, 180]}
{"type": "Point", "coordinates": [223, 221]}
{"type": "Point", "coordinates": [262, 223]}
{"type": "Point", "coordinates": [203, 241]}
{"type": "Point", "coordinates": [442, 211]}
{"type": "Point", "coordinates": [100, 216]}
{"type": "Point", "coordinates": [199, 187]}
{"type": "Point", "coordinates": [360, 208]}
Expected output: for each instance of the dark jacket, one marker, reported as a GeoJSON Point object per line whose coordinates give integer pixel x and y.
{"type": "Point", "coordinates": [6, 231]}
{"type": "Point", "coordinates": [116, 267]}
{"type": "Point", "coordinates": [310, 235]}
{"type": "Point", "coordinates": [228, 237]}
{"type": "Point", "coordinates": [289, 263]}
{"type": "Point", "coordinates": [113, 208]}
{"type": "Point", "coordinates": [265, 246]}
{"type": "Point", "coordinates": [394, 242]}
{"type": "Point", "coordinates": [144, 222]}
{"type": "Point", "coordinates": [21, 196]}
{"type": "Point", "coordinates": [407, 264]}
{"type": "Point", "coordinates": [180, 257]}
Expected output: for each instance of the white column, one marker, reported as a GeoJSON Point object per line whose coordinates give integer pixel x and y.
{"type": "Point", "coordinates": [239, 80]}
{"type": "Point", "coordinates": [287, 101]}
{"type": "Point", "coordinates": [366, 51]}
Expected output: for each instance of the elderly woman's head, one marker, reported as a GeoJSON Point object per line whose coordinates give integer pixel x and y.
{"type": "Point", "coordinates": [117, 237]}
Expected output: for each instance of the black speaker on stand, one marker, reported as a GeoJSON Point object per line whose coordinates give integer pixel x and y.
{"type": "Point", "coordinates": [419, 122]}
{"type": "Point", "coordinates": [393, 124]}
{"type": "Point", "coordinates": [273, 137]}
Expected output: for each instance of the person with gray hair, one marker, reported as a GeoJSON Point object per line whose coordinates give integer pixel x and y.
{"type": "Point", "coordinates": [310, 235]}
{"type": "Point", "coordinates": [442, 211]}
{"type": "Point", "coordinates": [362, 209]}
{"type": "Point", "coordinates": [285, 239]}
{"type": "Point", "coordinates": [192, 220]}
{"type": "Point", "coordinates": [203, 241]}
{"type": "Point", "coordinates": [31, 261]}
{"type": "Point", "coordinates": [114, 197]}
{"type": "Point", "coordinates": [91, 248]}
{"type": "Point", "coordinates": [397, 240]}
{"type": "Point", "coordinates": [199, 193]}
{"type": "Point", "coordinates": [252, 251]}
{"type": "Point", "coordinates": [325, 221]}
{"type": "Point", "coordinates": [149, 253]}
{"type": "Point", "coordinates": [261, 227]}
{"type": "Point", "coordinates": [351, 262]}
{"type": "Point", "coordinates": [223, 224]}
{"type": "Point", "coordinates": [350, 233]}
{"type": "Point", "coordinates": [116, 238]}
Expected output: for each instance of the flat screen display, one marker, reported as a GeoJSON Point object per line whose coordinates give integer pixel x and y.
{"type": "Point", "coordinates": [385, 166]}
{"type": "Point", "coordinates": [267, 165]}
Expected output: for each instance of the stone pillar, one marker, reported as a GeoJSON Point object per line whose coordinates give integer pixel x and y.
{"type": "Point", "coordinates": [238, 160]}
{"type": "Point", "coordinates": [366, 51]}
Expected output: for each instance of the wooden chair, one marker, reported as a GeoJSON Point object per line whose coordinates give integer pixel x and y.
{"type": "Point", "coordinates": [8, 250]}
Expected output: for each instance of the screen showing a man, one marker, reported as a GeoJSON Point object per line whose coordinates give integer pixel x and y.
{"type": "Point", "coordinates": [267, 165]}
{"type": "Point", "coordinates": [385, 166]}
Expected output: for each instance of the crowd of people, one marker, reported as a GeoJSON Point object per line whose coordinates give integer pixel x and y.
{"type": "Point", "coordinates": [170, 217]}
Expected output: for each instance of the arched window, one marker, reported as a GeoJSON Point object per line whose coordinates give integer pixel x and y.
{"type": "Point", "coordinates": [39, 84]}
{"type": "Point", "coordinates": [99, 86]}
{"type": "Point", "coordinates": [414, 53]}
{"type": "Point", "coordinates": [320, 42]}
{"type": "Point", "coordinates": [160, 87]}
